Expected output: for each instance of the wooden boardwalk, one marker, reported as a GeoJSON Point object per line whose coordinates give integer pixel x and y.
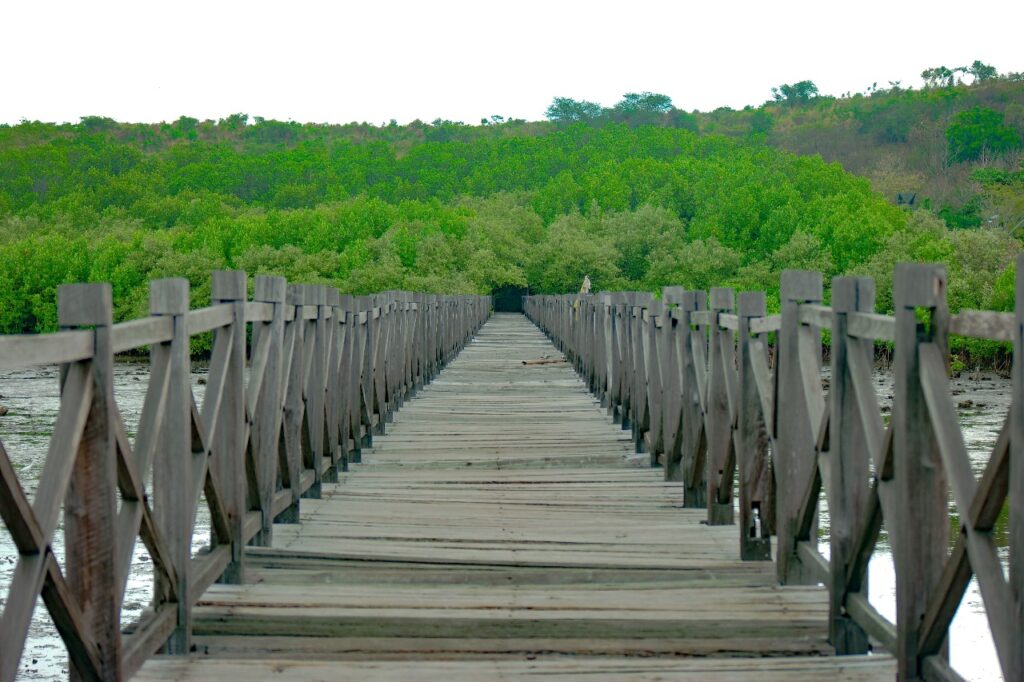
{"type": "Point", "coordinates": [504, 527]}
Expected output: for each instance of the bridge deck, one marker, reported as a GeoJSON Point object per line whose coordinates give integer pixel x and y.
{"type": "Point", "coordinates": [502, 527]}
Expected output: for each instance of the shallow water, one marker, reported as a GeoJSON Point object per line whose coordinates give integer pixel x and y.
{"type": "Point", "coordinates": [32, 399]}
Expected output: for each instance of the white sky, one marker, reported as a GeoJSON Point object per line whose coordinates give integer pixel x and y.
{"type": "Point", "coordinates": [152, 60]}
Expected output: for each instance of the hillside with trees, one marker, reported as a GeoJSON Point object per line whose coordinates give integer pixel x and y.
{"type": "Point", "coordinates": [638, 196]}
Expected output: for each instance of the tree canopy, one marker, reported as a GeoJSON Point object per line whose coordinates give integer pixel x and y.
{"type": "Point", "coordinates": [633, 196]}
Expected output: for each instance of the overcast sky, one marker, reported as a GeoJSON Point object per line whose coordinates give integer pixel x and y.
{"type": "Point", "coordinates": [150, 60]}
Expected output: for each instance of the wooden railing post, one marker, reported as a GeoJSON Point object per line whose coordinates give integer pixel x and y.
{"type": "Point", "coordinates": [419, 341]}
{"type": "Point", "coordinates": [613, 326]}
{"type": "Point", "coordinates": [694, 439]}
{"type": "Point", "coordinates": [848, 457]}
{"type": "Point", "coordinates": [671, 388]}
{"type": "Point", "coordinates": [638, 388]}
{"type": "Point", "coordinates": [228, 459]}
{"type": "Point", "coordinates": [798, 387]}
{"type": "Point", "coordinates": [290, 462]}
{"type": "Point", "coordinates": [1015, 487]}
{"type": "Point", "coordinates": [172, 468]}
{"type": "Point", "coordinates": [332, 376]}
{"type": "Point", "coordinates": [90, 504]}
{"type": "Point", "coordinates": [599, 359]}
{"type": "Point", "coordinates": [346, 368]}
{"type": "Point", "coordinates": [267, 418]}
{"type": "Point", "coordinates": [382, 360]}
{"type": "Point", "coordinates": [315, 387]}
{"type": "Point", "coordinates": [369, 364]}
{"type": "Point", "coordinates": [920, 531]}
{"type": "Point", "coordinates": [652, 362]}
{"type": "Point", "coordinates": [624, 380]}
{"type": "Point", "coordinates": [752, 440]}
{"type": "Point", "coordinates": [718, 411]}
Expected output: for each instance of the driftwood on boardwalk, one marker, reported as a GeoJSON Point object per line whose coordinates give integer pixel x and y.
{"type": "Point", "coordinates": [693, 378]}
{"type": "Point", "coordinates": [326, 371]}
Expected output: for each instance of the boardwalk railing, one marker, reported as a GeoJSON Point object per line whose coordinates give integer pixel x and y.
{"type": "Point", "coordinates": [695, 378]}
{"type": "Point", "coordinates": [325, 373]}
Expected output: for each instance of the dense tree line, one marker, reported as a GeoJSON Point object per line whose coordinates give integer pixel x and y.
{"type": "Point", "coordinates": [447, 208]}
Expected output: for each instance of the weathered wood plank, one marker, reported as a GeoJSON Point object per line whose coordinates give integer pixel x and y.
{"type": "Point", "coordinates": [30, 350]}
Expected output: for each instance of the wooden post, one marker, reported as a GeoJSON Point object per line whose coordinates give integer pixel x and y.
{"type": "Point", "coordinates": [369, 359]}
{"type": "Point", "coordinates": [336, 342]}
{"type": "Point", "coordinates": [848, 457]}
{"type": "Point", "coordinates": [655, 399]}
{"type": "Point", "coordinates": [614, 356]}
{"type": "Point", "coordinates": [314, 383]}
{"type": "Point", "coordinates": [921, 527]}
{"type": "Point", "coordinates": [268, 415]}
{"type": "Point", "coordinates": [355, 380]}
{"type": "Point", "coordinates": [752, 440]}
{"type": "Point", "coordinates": [718, 412]}
{"type": "Point", "coordinates": [673, 334]}
{"type": "Point", "coordinates": [638, 368]}
{"type": "Point", "coordinates": [228, 459]}
{"type": "Point", "coordinates": [90, 505]}
{"type": "Point", "coordinates": [798, 386]}
{"type": "Point", "coordinates": [172, 469]}
{"type": "Point", "coordinates": [603, 326]}
{"type": "Point", "coordinates": [692, 420]}
{"type": "Point", "coordinates": [1015, 488]}
{"type": "Point", "coordinates": [347, 366]}
{"type": "Point", "coordinates": [300, 336]}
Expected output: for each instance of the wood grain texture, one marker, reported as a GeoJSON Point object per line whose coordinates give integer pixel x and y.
{"type": "Point", "coordinates": [504, 526]}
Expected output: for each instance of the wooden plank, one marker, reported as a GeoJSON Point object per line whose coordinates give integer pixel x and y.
{"type": "Point", "coordinates": [208, 319]}
{"type": "Point", "coordinates": [16, 511]}
{"type": "Point", "coordinates": [982, 324]}
{"type": "Point", "coordinates": [146, 638]}
{"type": "Point", "coordinates": [32, 350]}
{"type": "Point", "coordinates": [873, 623]}
{"type": "Point", "coordinates": [847, 668]}
{"type": "Point", "coordinates": [816, 315]}
{"type": "Point", "coordinates": [258, 311]}
{"type": "Point", "coordinates": [871, 326]}
{"type": "Point", "coordinates": [418, 543]}
{"type": "Point", "coordinates": [764, 325]}
{"type": "Point", "coordinates": [71, 623]}
{"type": "Point", "coordinates": [142, 332]}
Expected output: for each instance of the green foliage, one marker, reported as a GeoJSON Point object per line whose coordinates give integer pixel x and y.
{"type": "Point", "coordinates": [645, 101]}
{"type": "Point", "coordinates": [761, 121]}
{"type": "Point", "coordinates": [977, 262]}
{"type": "Point", "coordinates": [447, 207]}
{"type": "Point", "coordinates": [567, 110]}
{"type": "Point", "coordinates": [979, 131]}
{"type": "Point", "coordinates": [796, 93]}
{"type": "Point", "coordinates": [571, 252]}
{"type": "Point", "coordinates": [699, 264]}
{"type": "Point", "coordinates": [939, 76]}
